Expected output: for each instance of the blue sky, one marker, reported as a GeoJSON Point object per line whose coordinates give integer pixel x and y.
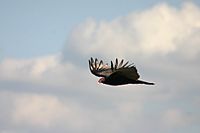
{"type": "Point", "coordinates": [45, 83]}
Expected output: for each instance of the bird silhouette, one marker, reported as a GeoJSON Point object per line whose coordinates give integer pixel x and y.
{"type": "Point", "coordinates": [119, 73]}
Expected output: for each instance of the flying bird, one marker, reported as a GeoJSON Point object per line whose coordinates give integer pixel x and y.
{"type": "Point", "coordinates": [119, 73]}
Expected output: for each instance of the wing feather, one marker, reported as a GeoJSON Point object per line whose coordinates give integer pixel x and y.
{"type": "Point", "coordinates": [116, 63]}
{"type": "Point", "coordinates": [111, 65]}
{"type": "Point", "coordinates": [99, 69]}
{"type": "Point", "coordinates": [118, 69]}
{"type": "Point", "coordinates": [100, 64]}
{"type": "Point", "coordinates": [121, 63]}
{"type": "Point", "coordinates": [125, 64]}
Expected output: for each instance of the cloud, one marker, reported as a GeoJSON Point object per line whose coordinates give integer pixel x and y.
{"type": "Point", "coordinates": [175, 117]}
{"type": "Point", "coordinates": [38, 110]}
{"type": "Point", "coordinates": [159, 31]}
{"type": "Point", "coordinates": [48, 70]}
{"type": "Point", "coordinates": [158, 40]}
{"type": "Point", "coordinates": [44, 112]}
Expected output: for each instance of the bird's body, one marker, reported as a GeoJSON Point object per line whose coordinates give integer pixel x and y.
{"type": "Point", "coordinates": [116, 74]}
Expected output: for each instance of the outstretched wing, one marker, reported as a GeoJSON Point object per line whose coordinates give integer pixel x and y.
{"type": "Point", "coordinates": [99, 69]}
{"type": "Point", "coordinates": [128, 71]}
{"type": "Point", "coordinates": [119, 69]}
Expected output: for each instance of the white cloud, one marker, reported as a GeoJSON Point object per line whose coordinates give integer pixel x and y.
{"type": "Point", "coordinates": [26, 67]}
{"type": "Point", "coordinates": [46, 111]}
{"type": "Point", "coordinates": [176, 118]}
{"type": "Point", "coordinates": [161, 30]}
{"type": "Point", "coordinates": [49, 112]}
{"type": "Point", "coordinates": [38, 110]}
{"type": "Point", "coordinates": [48, 70]}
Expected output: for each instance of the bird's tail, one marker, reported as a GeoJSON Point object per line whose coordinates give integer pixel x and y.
{"type": "Point", "coordinates": [144, 82]}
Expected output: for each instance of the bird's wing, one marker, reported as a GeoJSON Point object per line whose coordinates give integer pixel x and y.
{"type": "Point", "coordinates": [119, 69]}
{"type": "Point", "coordinates": [128, 71]}
{"type": "Point", "coordinates": [99, 69]}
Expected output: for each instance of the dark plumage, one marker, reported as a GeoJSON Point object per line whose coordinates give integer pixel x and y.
{"type": "Point", "coordinates": [119, 73]}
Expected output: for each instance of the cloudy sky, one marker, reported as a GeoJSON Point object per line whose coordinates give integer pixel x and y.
{"type": "Point", "coordinates": [45, 84]}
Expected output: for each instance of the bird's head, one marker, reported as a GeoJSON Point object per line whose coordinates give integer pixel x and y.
{"type": "Point", "coordinates": [102, 80]}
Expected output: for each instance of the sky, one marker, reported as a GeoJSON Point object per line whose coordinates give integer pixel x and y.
{"type": "Point", "coordinates": [45, 83]}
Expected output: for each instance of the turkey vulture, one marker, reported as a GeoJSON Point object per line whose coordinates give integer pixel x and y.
{"type": "Point", "coordinates": [119, 73]}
